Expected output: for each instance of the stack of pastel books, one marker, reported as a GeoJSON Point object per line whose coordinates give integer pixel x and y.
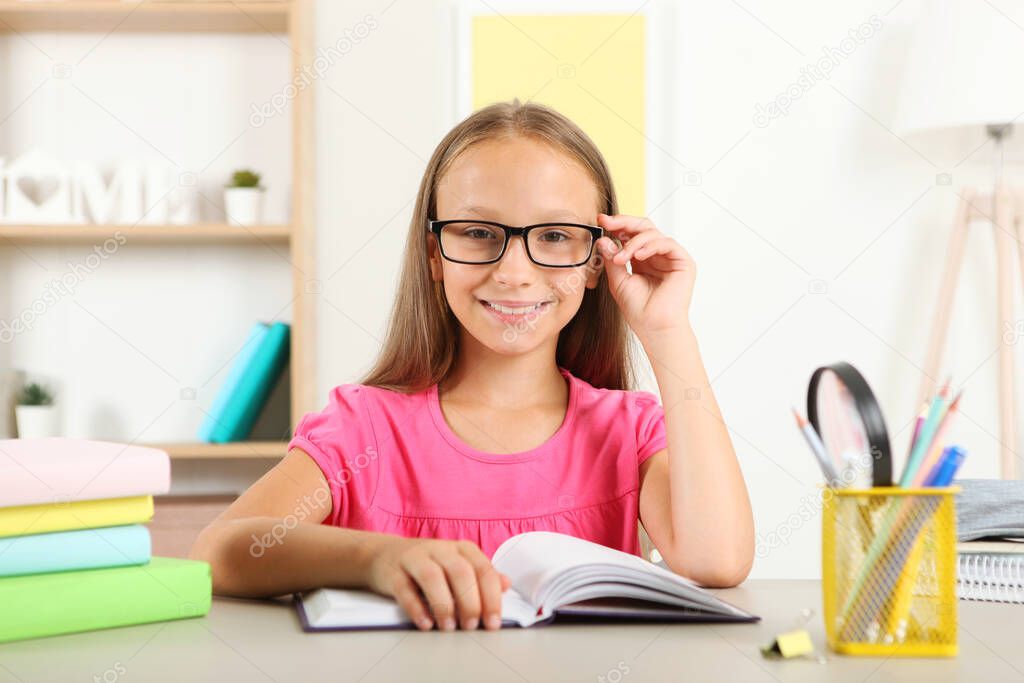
{"type": "Point", "coordinates": [74, 554]}
{"type": "Point", "coordinates": [248, 386]}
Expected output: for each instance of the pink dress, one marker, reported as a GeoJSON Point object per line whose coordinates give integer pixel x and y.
{"type": "Point", "coordinates": [394, 465]}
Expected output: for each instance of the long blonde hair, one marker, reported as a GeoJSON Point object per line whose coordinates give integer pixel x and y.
{"type": "Point", "coordinates": [422, 337]}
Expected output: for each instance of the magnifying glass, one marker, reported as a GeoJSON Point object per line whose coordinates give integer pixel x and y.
{"type": "Point", "coordinates": [847, 417]}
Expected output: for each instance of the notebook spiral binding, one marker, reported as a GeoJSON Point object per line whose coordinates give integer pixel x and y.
{"type": "Point", "coordinates": [990, 578]}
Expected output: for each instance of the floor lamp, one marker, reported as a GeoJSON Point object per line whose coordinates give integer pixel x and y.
{"type": "Point", "coordinates": [955, 81]}
{"type": "Point", "coordinates": [1003, 211]}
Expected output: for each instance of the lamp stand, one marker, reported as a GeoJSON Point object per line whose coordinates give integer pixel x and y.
{"type": "Point", "coordinates": [1006, 214]}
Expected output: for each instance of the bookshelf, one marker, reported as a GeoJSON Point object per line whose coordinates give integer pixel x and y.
{"type": "Point", "coordinates": [197, 233]}
{"type": "Point", "coordinates": [292, 20]}
{"type": "Point", "coordinates": [274, 16]}
{"type": "Point", "coordinates": [240, 449]}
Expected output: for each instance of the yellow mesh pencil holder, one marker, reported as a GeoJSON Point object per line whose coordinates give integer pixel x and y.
{"type": "Point", "coordinates": [888, 561]}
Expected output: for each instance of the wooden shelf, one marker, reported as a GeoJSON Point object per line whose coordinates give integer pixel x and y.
{"type": "Point", "coordinates": [152, 15]}
{"type": "Point", "coordinates": [292, 22]}
{"type": "Point", "coordinates": [238, 449]}
{"type": "Point", "coordinates": [196, 233]}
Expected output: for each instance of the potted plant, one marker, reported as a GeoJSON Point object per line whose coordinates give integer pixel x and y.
{"type": "Point", "coordinates": [35, 413]}
{"type": "Point", "coordinates": [243, 198]}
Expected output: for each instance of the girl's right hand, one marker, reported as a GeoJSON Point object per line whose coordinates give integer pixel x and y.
{"type": "Point", "coordinates": [455, 577]}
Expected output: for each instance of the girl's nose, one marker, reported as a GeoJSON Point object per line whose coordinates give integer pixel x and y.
{"type": "Point", "coordinates": [515, 266]}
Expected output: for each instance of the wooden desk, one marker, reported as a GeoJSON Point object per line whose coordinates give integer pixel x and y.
{"type": "Point", "coordinates": [261, 641]}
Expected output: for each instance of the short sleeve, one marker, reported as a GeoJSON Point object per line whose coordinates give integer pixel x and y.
{"type": "Point", "coordinates": [650, 425]}
{"type": "Point", "coordinates": [340, 439]}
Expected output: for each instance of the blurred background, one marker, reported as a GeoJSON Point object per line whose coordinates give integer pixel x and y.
{"type": "Point", "coordinates": [811, 158]}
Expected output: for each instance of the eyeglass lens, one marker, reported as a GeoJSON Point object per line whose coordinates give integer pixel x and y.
{"type": "Point", "coordinates": [551, 245]}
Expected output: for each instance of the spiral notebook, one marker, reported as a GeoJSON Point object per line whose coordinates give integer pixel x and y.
{"type": "Point", "coordinates": [992, 571]}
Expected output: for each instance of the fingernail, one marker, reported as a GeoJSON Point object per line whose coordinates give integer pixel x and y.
{"type": "Point", "coordinates": [493, 621]}
{"type": "Point", "coordinates": [472, 623]}
{"type": "Point", "coordinates": [424, 623]}
{"type": "Point", "coordinates": [448, 624]}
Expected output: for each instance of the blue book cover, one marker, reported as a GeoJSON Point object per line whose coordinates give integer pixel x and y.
{"type": "Point", "coordinates": [263, 370]}
{"type": "Point", "coordinates": [61, 551]}
{"type": "Point", "coordinates": [235, 375]}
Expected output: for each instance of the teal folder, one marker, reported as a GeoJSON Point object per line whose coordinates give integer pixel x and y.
{"type": "Point", "coordinates": [60, 551]}
{"type": "Point", "coordinates": [238, 369]}
{"type": "Point", "coordinates": [263, 369]}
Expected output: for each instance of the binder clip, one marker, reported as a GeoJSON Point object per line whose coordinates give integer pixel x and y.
{"type": "Point", "coordinates": [788, 645]}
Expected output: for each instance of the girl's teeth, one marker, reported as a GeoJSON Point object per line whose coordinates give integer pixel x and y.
{"type": "Point", "coordinates": [514, 311]}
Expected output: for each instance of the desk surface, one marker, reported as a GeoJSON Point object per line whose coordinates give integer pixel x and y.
{"type": "Point", "coordinates": [261, 641]}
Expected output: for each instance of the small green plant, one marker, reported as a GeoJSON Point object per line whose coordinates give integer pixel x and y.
{"type": "Point", "coordinates": [35, 394]}
{"type": "Point", "coordinates": [245, 178]}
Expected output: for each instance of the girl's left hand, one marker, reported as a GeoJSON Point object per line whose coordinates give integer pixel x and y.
{"type": "Point", "coordinates": [656, 297]}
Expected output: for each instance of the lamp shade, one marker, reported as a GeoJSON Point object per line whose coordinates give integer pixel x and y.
{"type": "Point", "coordinates": [962, 67]}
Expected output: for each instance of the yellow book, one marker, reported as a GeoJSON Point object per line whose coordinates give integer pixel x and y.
{"type": "Point", "coordinates": [79, 514]}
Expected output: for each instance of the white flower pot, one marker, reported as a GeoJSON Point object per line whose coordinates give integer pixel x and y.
{"type": "Point", "coordinates": [243, 205]}
{"type": "Point", "coordinates": [10, 382]}
{"type": "Point", "coordinates": [35, 422]}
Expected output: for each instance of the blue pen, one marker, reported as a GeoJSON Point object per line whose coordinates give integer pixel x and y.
{"type": "Point", "coordinates": [943, 472]}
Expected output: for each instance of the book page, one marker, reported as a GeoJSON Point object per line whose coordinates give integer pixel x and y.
{"type": "Point", "coordinates": [536, 558]}
{"type": "Point", "coordinates": [548, 567]}
{"type": "Point", "coordinates": [355, 608]}
{"type": "Point", "coordinates": [333, 607]}
{"type": "Point", "coordinates": [517, 610]}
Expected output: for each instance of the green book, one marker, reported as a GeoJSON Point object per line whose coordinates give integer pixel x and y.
{"type": "Point", "coordinates": [69, 602]}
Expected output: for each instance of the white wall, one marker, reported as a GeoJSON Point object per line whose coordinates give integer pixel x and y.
{"type": "Point", "coordinates": [824, 193]}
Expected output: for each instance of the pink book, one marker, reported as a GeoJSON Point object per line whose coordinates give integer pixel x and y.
{"type": "Point", "coordinates": [57, 469]}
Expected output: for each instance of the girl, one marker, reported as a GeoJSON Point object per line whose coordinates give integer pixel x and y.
{"type": "Point", "coordinates": [500, 402]}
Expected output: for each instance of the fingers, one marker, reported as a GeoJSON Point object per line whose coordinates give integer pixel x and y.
{"type": "Point", "coordinates": [665, 246]}
{"type": "Point", "coordinates": [457, 581]}
{"type": "Point", "coordinates": [491, 585]}
{"type": "Point", "coordinates": [462, 579]}
{"type": "Point", "coordinates": [407, 595]}
{"type": "Point", "coordinates": [641, 240]}
{"type": "Point", "coordinates": [621, 224]}
{"type": "Point", "coordinates": [431, 578]}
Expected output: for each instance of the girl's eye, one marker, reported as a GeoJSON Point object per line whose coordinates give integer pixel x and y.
{"type": "Point", "coordinates": [554, 237]}
{"type": "Point", "coordinates": [478, 233]}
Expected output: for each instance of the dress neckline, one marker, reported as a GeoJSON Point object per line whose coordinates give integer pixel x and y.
{"type": "Point", "coordinates": [464, 448]}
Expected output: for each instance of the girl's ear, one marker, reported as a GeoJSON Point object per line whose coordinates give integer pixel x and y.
{"type": "Point", "coordinates": [434, 256]}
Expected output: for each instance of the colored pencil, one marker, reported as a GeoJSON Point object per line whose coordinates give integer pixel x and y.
{"type": "Point", "coordinates": [816, 447]}
{"type": "Point", "coordinates": [924, 440]}
{"type": "Point", "coordinates": [938, 444]}
{"type": "Point", "coordinates": [921, 415]}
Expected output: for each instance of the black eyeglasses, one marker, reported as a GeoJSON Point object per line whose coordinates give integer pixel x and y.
{"type": "Point", "coordinates": [553, 245]}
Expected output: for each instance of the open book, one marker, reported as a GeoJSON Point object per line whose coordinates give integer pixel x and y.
{"type": "Point", "coordinates": [553, 575]}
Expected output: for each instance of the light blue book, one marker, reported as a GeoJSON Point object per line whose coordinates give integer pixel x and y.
{"type": "Point", "coordinates": [61, 551]}
{"type": "Point", "coordinates": [235, 375]}
{"type": "Point", "coordinates": [253, 390]}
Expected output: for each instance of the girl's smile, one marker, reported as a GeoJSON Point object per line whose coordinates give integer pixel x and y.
{"type": "Point", "coordinates": [512, 312]}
